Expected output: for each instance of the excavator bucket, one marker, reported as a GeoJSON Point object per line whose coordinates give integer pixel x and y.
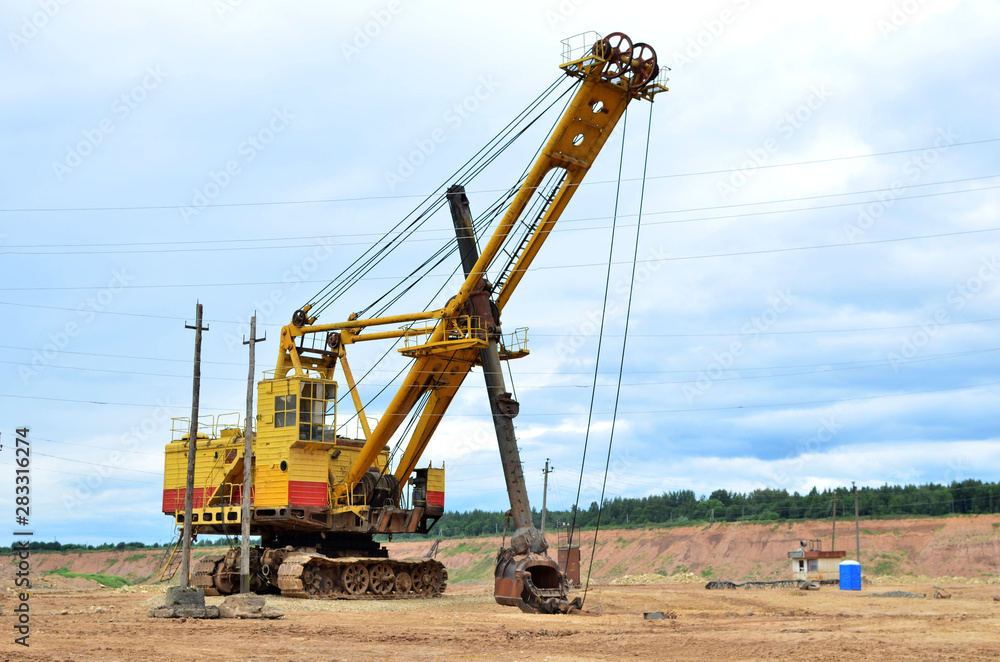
{"type": "Point", "coordinates": [533, 583]}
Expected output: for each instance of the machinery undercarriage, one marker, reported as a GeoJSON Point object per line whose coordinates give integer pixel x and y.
{"type": "Point", "coordinates": [304, 573]}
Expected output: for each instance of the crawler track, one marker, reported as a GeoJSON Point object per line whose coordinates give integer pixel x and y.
{"type": "Point", "coordinates": [317, 577]}
{"type": "Point", "coordinates": [314, 576]}
{"type": "Point", "coordinates": [203, 574]}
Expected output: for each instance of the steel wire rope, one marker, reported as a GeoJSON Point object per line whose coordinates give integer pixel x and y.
{"type": "Point", "coordinates": [480, 225]}
{"type": "Point", "coordinates": [621, 365]}
{"type": "Point", "coordinates": [600, 337]}
{"type": "Point", "coordinates": [426, 215]}
{"type": "Point", "coordinates": [450, 246]}
{"type": "Point", "coordinates": [488, 153]}
{"type": "Point", "coordinates": [442, 254]}
{"type": "Point", "coordinates": [539, 205]}
{"type": "Point", "coordinates": [316, 299]}
{"type": "Point", "coordinates": [387, 352]}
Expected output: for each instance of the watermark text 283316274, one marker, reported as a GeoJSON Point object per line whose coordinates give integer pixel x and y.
{"type": "Point", "coordinates": [22, 518]}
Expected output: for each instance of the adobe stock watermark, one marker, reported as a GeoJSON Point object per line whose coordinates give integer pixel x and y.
{"type": "Point", "coordinates": [32, 24]}
{"type": "Point", "coordinates": [750, 333]}
{"type": "Point", "coordinates": [292, 278]}
{"type": "Point", "coordinates": [590, 325]}
{"type": "Point", "coordinates": [248, 150]}
{"type": "Point", "coordinates": [121, 108]}
{"type": "Point", "coordinates": [805, 450]}
{"type": "Point", "coordinates": [453, 118]}
{"type": "Point", "coordinates": [151, 427]}
{"type": "Point", "coordinates": [785, 128]}
{"type": "Point", "coordinates": [370, 30]}
{"type": "Point", "coordinates": [711, 31]}
{"type": "Point", "coordinates": [224, 8]}
{"type": "Point", "coordinates": [912, 169]}
{"type": "Point", "coordinates": [86, 312]}
{"type": "Point", "coordinates": [560, 12]}
{"type": "Point", "coordinates": [900, 14]}
{"type": "Point", "coordinates": [958, 298]}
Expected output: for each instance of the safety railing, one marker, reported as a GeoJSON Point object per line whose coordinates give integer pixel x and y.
{"type": "Point", "coordinates": [579, 46]}
{"type": "Point", "coordinates": [458, 328]}
{"type": "Point", "coordinates": [209, 425]}
{"type": "Point", "coordinates": [359, 432]}
{"type": "Point", "coordinates": [310, 373]}
{"type": "Point", "coordinates": [515, 342]}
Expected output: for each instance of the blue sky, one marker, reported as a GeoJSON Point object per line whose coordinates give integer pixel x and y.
{"type": "Point", "coordinates": [816, 299]}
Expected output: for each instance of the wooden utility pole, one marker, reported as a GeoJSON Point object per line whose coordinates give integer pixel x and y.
{"type": "Point", "coordinates": [833, 539]}
{"type": "Point", "coordinates": [545, 491]}
{"type": "Point", "coordinates": [857, 525]}
{"type": "Point", "coordinates": [247, 490]}
{"type": "Point", "coordinates": [192, 451]}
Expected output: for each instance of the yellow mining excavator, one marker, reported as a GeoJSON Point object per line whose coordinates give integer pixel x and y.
{"type": "Point", "coordinates": [319, 496]}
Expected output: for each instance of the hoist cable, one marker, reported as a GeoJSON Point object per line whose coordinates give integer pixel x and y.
{"type": "Point", "coordinates": [600, 335]}
{"type": "Point", "coordinates": [621, 366]}
{"type": "Point", "coordinates": [374, 255]}
{"type": "Point", "coordinates": [319, 300]}
{"type": "Point", "coordinates": [450, 246]}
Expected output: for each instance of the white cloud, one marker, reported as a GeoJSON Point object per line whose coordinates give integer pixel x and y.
{"type": "Point", "coordinates": [355, 117]}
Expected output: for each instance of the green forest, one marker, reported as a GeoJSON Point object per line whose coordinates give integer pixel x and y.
{"type": "Point", "coordinates": [966, 497]}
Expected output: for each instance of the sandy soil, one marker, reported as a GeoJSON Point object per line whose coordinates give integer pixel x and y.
{"type": "Point", "coordinates": [466, 624]}
{"type": "Point", "coordinates": [967, 546]}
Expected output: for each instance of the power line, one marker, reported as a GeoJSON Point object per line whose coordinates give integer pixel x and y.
{"type": "Point", "coordinates": [122, 372]}
{"type": "Point", "coordinates": [103, 448]}
{"type": "Point", "coordinates": [121, 356]}
{"type": "Point", "coordinates": [562, 227]}
{"type": "Point", "coordinates": [859, 363]}
{"type": "Point", "coordinates": [71, 473]}
{"type": "Point", "coordinates": [415, 195]}
{"type": "Point", "coordinates": [536, 268]}
{"type": "Point", "coordinates": [577, 413]}
{"type": "Point", "coordinates": [537, 335]}
{"type": "Point", "coordinates": [96, 464]}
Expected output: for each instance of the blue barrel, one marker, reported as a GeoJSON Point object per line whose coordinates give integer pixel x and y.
{"type": "Point", "coordinates": [850, 576]}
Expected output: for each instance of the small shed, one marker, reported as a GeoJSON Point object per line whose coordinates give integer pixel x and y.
{"type": "Point", "coordinates": [814, 564]}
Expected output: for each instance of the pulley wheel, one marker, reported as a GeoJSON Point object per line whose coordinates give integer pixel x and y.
{"type": "Point", "coordinates": [643, 67]}
{"type": "Point", "coordinates": [616, 48]}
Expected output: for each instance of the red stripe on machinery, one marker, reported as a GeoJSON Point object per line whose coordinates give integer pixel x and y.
{"type": "Point", "coordinates": [435, 498]}
{"type": "Point", "coordinates": [307, 493]}
{"type": "Point", "coordinates": [173, 500]}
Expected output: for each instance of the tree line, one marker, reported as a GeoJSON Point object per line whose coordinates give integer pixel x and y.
{"type": "Point", "coordinates": [38, 546]}
{"type": "Point", "coordinates": [965, 497]}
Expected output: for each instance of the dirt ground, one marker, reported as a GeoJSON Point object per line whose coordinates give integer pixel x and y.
{"type": "Point", "coordinates": [465, 624]}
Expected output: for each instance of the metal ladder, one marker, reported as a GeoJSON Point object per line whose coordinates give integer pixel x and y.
{"type": "Point", "coordinates": [173, 561]}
